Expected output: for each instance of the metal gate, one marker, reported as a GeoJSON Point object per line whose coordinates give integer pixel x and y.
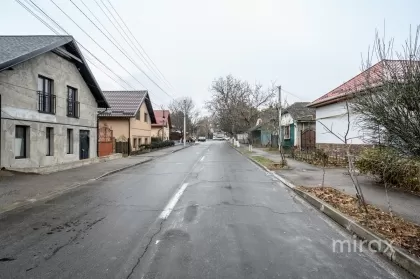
{"type": "Point", "coordinates": [84, 144]}
{"type": "Point", "coordinates": [122, 147]}
{"type": "Point", "coordinates": [106, 144]}
{"type": "Point", "coordinates": [307, 139]}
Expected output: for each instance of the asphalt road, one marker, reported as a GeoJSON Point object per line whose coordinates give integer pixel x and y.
{"type": "Point", "coordinates": [203, 212]}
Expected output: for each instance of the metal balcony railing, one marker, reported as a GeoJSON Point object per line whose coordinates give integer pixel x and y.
{"type": "Point", "coordinates": [46, 102]}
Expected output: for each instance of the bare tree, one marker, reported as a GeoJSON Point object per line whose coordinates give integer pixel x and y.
{"type": "Point", "coordinates": [350, 158]}
{"type": "Point", "coordinates": [388, 100]}
{"type": "Point", "coordinates": [180, 106]}
{"type": "Point", "coordinates": [236, 104]}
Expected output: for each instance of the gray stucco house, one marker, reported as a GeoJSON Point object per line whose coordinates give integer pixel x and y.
{"type": "Point", "coordinates": [49, 103]}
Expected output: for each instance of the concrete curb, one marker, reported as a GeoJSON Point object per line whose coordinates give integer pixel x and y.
{"type": "Point", "coordinates": [29, 204]}
{"type": "Point", "coordinates": [283, 180]}
{"type": "Point", "coordinates": [396, 255]}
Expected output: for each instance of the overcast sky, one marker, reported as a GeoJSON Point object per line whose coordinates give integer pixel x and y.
{"type": "Point", "coordinates": [307, 46]}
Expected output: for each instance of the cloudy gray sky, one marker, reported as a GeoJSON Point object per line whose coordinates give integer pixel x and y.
{"type": "Point", "coordinates": [307, 46]}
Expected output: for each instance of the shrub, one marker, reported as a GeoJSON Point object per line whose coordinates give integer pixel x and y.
{"type": "Point", "coordinates": [155, 139]}
{"type": "Point", "coordinates": [388, 166]}
{"type": "Point", "coordinates": [161, 144]}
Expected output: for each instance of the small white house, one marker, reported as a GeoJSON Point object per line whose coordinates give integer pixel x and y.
{"type": "Point", "coordinates": [332, 119]}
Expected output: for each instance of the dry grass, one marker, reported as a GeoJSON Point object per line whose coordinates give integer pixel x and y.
{"type": "Point", "coordinates": [269, 164]}
{"type": "Point", "coordinates": [397, 230]}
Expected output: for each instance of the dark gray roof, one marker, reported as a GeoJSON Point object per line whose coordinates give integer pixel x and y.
{"type": "Point", "coordinates": [300, 111]}
{"type": "Point", "coordinates": [17, 49]}
{"type": "Point", "coordinates": [127, 103]}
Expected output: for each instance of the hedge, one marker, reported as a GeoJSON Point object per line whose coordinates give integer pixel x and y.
{"type": "Point", "coordinates": [387, 166]}
{"type": "Point", "coordinates": [153, 145]}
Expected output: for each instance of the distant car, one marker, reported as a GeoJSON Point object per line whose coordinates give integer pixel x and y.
{"type": "Point", "coordinates": [201, 138]}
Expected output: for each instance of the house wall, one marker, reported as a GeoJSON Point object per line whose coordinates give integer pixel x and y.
{"type": "Point", "coordinates": [118, 125]}
{"type": "Point", "coordinates": [334, 116]}
{"type": "Point", "coordinates": [141, 130]}
{"type": "Point", "coordinates": [157, 132]}
{"type": "Point", "coordinates": [20, 107]}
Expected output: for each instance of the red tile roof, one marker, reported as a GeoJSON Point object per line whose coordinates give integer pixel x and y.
{"type": "Point", "coordinates": [370, 77]}
{"type": "Point", "coordinates": [162, 117]}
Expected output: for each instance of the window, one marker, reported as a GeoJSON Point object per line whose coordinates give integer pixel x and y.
{"type": "Point", "coordinates": [138, 115]}
{"type": "Point", "coordinates": [69, 141]}
{"type": "Point", "coordinates": [286, 132]}
{"type": "Point", "coordinates": [49, 134]}
{"type": "Point", "coordinates": [21, 142]}
{"type": "Point", "coordinates": [146, 141]}
{"type": "Point", "coordinates": [46, 97]}
{"type": "Point", "coordinates": [135, 143]}
{"type": "Point", "coordinates": [72, 102]}
{"type": "Point", "coordinates": [145, 118]}
{"type": "Point", "coordinates": [140, 140]}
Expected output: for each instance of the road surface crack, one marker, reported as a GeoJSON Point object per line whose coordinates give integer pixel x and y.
{"type": "Point", "coordinates": [72, 239]}
{"type": "Point", "coordinates": [145, 249]}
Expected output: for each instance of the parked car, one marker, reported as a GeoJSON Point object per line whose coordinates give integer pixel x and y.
{"type": "Point", "coordinates": [201, 138]}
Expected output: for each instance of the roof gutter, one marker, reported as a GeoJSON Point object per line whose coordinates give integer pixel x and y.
{"type": "Point", "coordinates": [330, 101]}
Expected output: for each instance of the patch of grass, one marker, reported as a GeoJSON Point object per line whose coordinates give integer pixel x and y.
{"type": "Point", "coordinates": [395, 229]}
{"type": "Point", "coordinates": [269, 164]}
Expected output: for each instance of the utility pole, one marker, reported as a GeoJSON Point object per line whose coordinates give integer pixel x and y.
{"type": "Point", "coordinates": [185, 121]}
{"type": "Point", "coordinates": [280, 141]}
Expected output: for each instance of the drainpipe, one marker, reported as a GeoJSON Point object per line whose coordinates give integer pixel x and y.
{"type": "Point", "coordinates": [129, 136]}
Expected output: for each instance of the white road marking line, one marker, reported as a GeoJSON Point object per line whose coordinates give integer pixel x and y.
{"type": "Point", "coordinates": [202, 158]}
{"type": "Point", "coordinates": [171, 204]}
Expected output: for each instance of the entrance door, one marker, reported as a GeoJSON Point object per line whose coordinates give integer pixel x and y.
{"type": "Point", "coordinates": [84, 144]}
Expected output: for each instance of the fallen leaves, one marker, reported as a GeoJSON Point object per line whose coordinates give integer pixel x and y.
{"type": "Point", "coordinates": [395, 229]}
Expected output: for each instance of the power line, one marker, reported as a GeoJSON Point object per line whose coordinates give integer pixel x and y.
{"type": "Point", "coordinates": [100, 23]}
{"type": "Point", "coordinates": [292, 94]}
{"type": "Point", "coordinates": [56, 96]}
{"type": "Point", "coordinates": [60, 27]}
{"type": "Point", "coordinates": [32, 128]}
{"type": "Point", "coordinates": [29, 10]}
{"type": "Point", "coordinates": [52, 29]}
{"type": "Point", "coordinates": [131, 43]}
{"type": "Point", "coordinates": [138, 43]}
{"type": "Point", "coordinates": [115, 44]}
{"type": "Point", "coordinates": [135, 64]}
{"type": "Point", "coordinates": [35, 98]}
{"type": "Point", "coordinates": [97, 43]}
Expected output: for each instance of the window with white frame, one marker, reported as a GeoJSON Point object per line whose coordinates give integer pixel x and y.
{"type": "Point", "coordinates": [286, 134]}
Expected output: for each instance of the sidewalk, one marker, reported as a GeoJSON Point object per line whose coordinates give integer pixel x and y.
{"type": "Point", "coordinates": [18, 189]}
{"type": "Point", "coordinates": [299, 173]}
